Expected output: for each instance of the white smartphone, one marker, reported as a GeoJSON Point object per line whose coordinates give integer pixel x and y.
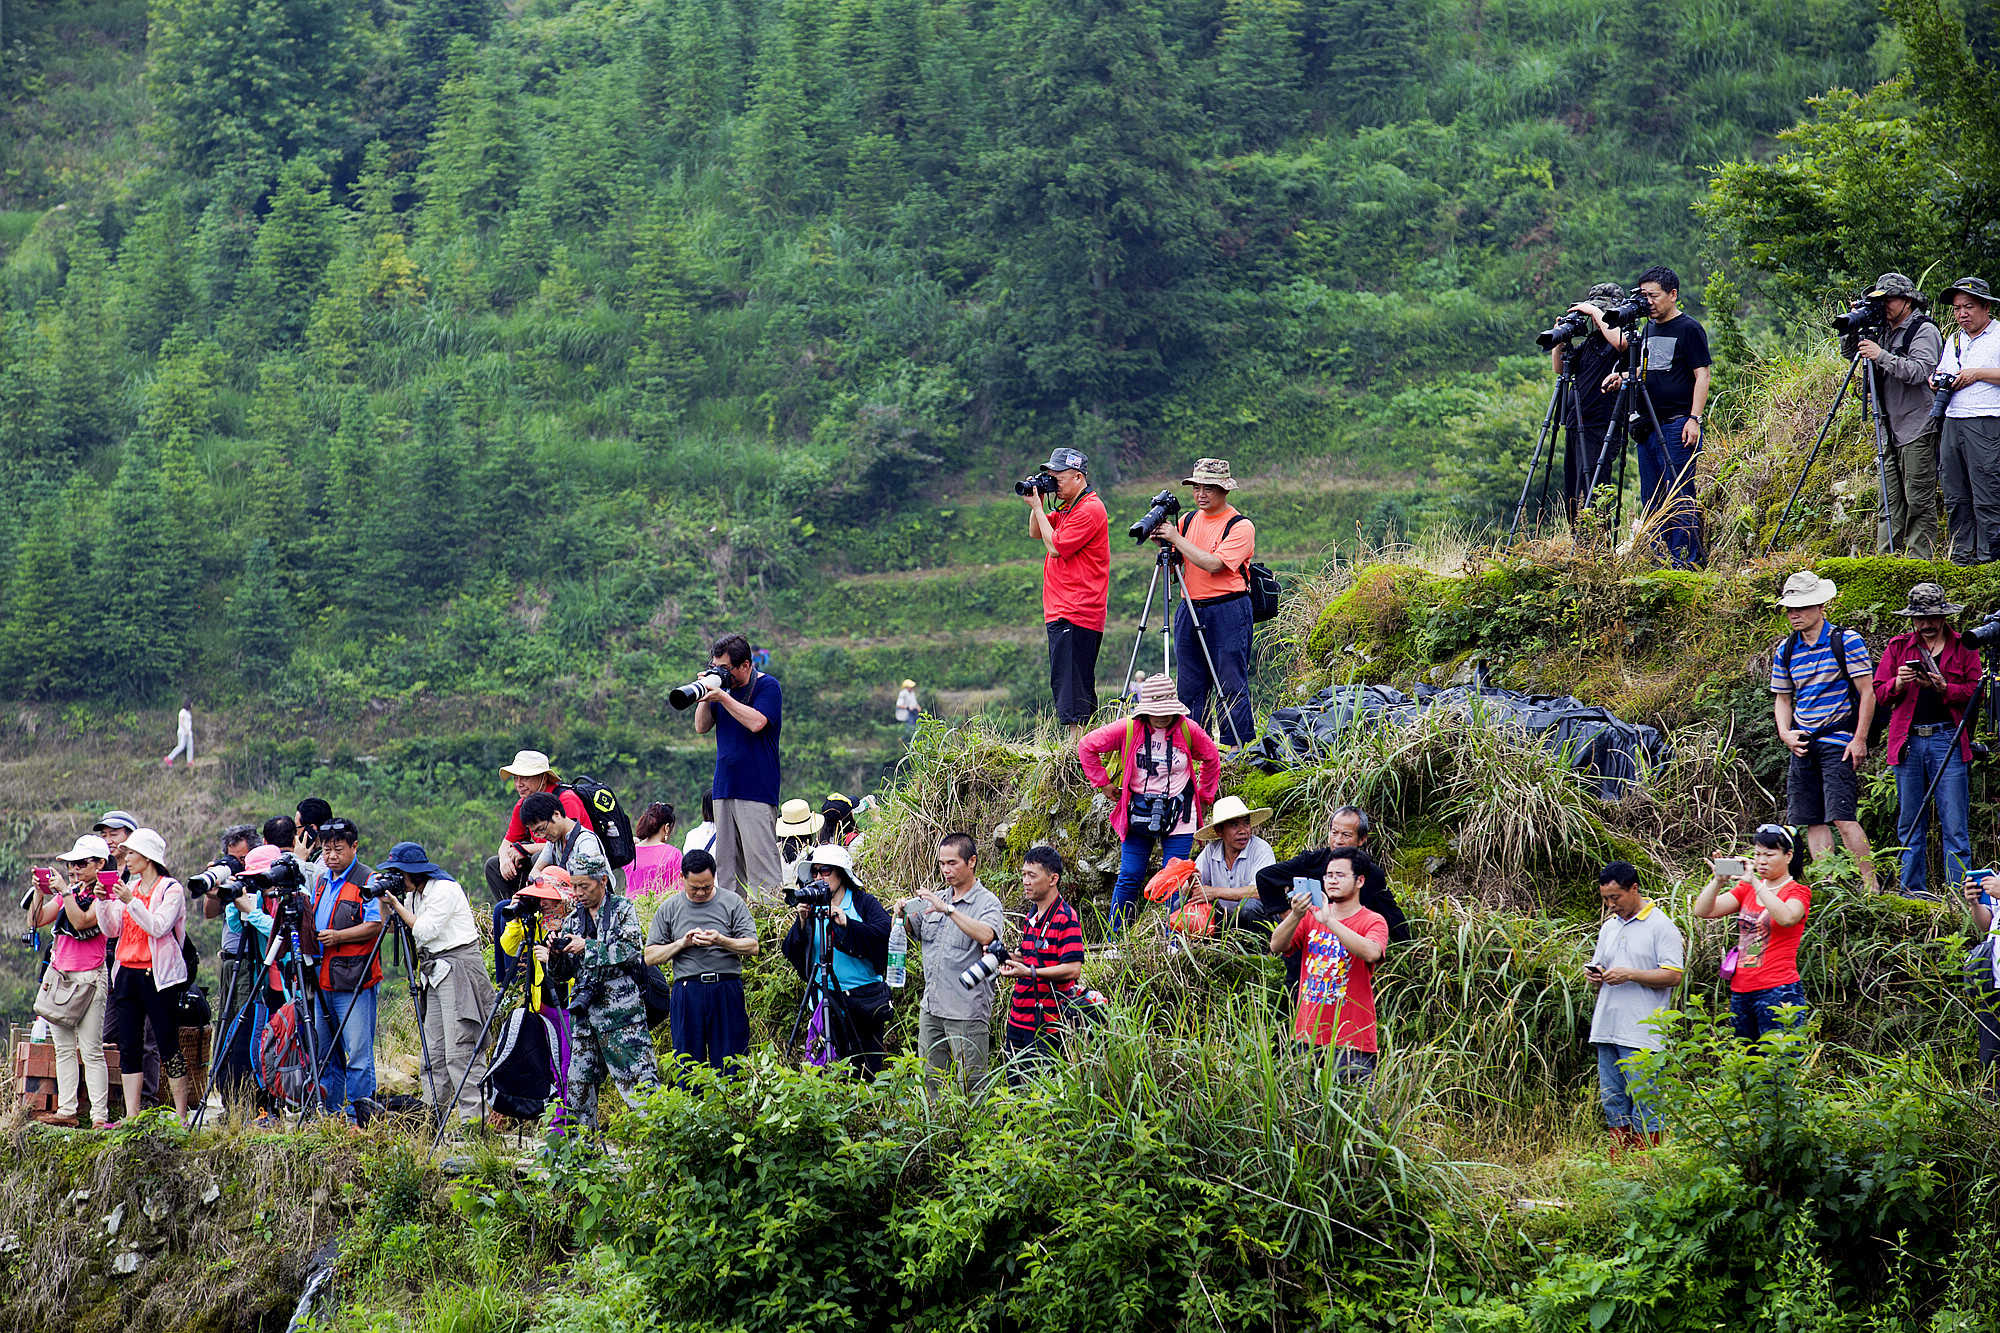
{"type": "Point", "coordinates": [1729, 867]}
{"type": "Point", "coordinates": [1312, 890]}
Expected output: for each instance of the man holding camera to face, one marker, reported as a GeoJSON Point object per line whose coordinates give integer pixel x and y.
{"type": "Point", "coordinates": [956, 928]}
{"type": "Point", "coordinates": [1904, 359]}
{"type": "Point", "coordinates": [1076, 577]}
{"type": "Point", "coordinates": [745, 709]}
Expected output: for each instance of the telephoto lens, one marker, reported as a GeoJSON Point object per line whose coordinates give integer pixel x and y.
{"type": "Point", "coordinates": [1165, 505]}
{"type": "Point", "coordinates": [985, 969]}
{"type": "Point", "coordinates": [687, 696]}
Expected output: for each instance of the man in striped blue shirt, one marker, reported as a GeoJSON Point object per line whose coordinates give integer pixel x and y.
{"type": "Point", "coordinates": [1823, 690]}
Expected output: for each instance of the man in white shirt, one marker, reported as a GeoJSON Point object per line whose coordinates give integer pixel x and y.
{"type": "Point", "coordinates": [1637, 964]}
{"type": "Point", "coordinates": [456, 997]}
{"type": "Point", "coordinates": [1231, 855]}
{"type": "Point", "coordinates": [1969, 448]}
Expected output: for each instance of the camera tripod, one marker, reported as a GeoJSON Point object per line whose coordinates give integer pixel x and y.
{"type": "Point", "coordinates": [1632, 394]}
{"type": "Point", "coordinates": [1871, 406]}
{"type": "Point", "coordinates": [823, 991]}
{"type": "Point", "coordinates": [406, 956]}
{"type": "Point", "coordinates": [1170, 587]}
{"type": "Point", "coordinates": [1565, 413]}
{"type": "Point", "coordinates": [298, 991]}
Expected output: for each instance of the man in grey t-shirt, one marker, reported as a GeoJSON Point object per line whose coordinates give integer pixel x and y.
{"type": "Point", "coordinates": [1634, 969]}
{"type": "Point", "coordinates": [955, 931]}
{"type": "Point", "coordinates": [706, 936]}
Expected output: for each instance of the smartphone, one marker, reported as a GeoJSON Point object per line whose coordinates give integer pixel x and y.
{"type": "Point", "coordinates": [1729, 867]}
{"type": "Point", "coordinates": [107, 879]}
{"type": "Point", "coordinates": [1980, 877]}
{"type": "Point", "coordinates": [1592, 970]}
{"type": "Point", "coordinates": [44, 876]}
{"type": "Point", "coordinates": [1312, 890]}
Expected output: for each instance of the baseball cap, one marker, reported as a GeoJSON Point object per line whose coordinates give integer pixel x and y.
{"type": "Point", "coordinates": [1066, 460]}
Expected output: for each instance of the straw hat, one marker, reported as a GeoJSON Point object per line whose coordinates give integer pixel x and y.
{"type": "Point", "coordinates": [1156, 698]}
{"type": "Point", "coordinates": [1226, 809]}
{"type": "Point", "coordinates": [797, 820]}
{"type": "Point", "coordinates": [909, 685]}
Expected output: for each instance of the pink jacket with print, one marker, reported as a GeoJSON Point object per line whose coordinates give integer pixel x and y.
{"type": "Point", "coordinates": [1122, 738]}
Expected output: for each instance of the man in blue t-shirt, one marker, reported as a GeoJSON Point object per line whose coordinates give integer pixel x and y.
{"type": "Point", "coordinates": [746, 715]}
{"type": "Point", "coordinates": [1823, 694]}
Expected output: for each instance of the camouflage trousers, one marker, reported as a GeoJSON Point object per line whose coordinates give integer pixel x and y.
{"type": "Point", "coordinates": [612, 1041]}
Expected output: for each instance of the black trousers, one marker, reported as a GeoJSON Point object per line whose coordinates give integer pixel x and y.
{"type": "Point", "coordinates": [1073, 670]}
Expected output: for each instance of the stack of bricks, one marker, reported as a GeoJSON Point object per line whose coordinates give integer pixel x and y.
{"type": "Point", "coordinates": [35, 1069]}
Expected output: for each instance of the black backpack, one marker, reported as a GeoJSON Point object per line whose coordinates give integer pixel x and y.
{"type": "Point", "coordinates": [521, 1078]}
{"type": "Point", "coordinates": [607, 820]}
{"type": "Point", "coordinates": [1265, 592]}
{"type": "Point", "coordinates": [1876, 728]}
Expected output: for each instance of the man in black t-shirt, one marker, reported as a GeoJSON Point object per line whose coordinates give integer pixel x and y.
{"type": "Point", "coordinates": [1673, 367]}
{"type": "Point", "coordinates": [1586, 421]}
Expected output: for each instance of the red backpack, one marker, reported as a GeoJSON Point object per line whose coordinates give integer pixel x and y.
{"type": "Point", "coordinates": [279, 1059]}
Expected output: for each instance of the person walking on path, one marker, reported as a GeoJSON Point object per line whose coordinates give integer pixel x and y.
{"type": "Point", "coordinates": [183, 736]}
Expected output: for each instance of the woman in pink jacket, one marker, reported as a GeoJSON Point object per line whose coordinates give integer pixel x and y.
{"type": "Point", "coordinates": [1168, 779]}
{"type": "Point", "coordinates": [149, 917]}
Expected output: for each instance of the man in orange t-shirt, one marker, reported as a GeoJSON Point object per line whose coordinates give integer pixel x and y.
{"type": "Point", "coordinates": [1215, 543]}
{"type": "Point", "coordinates": [1076, 582]}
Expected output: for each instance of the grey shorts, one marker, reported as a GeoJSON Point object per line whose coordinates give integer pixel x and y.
{"type": "Point", "coordinates": [1821, 787]}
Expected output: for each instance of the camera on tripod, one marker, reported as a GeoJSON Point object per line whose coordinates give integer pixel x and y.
{"type": "Point", "coordinates": [687, 696]}
{"type": "Point", "coordinates": [1572, 325]}
{"type": "Point", "coordinates": [281, 876]}
{"type": "Point", "coordinates": [1987, 632]}
{"type": "Point", "coordinates": [1165, 505]}
{"type": "Point", "coordinates": [1042, 483]}
{"type": "Point", "coordinates": [809, 893]}
{"type": "Point", "coordinates": [1866, 314]}
{"type": "Point", "coordinates": [1627, 312]}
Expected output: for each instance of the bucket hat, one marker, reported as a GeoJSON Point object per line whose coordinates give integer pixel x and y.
{"type": "Point", "coordinates": [832, 854]}
{"type": "Point", "coordinates": [1928, 599]}
{"type": "Point", "coordinates": [1806, 588]}
{"type": "Point", "coordinates": [1226, 809]}
{"type": "Point", "coordinates": [797, 820]}
{"type": "Point", "coordinates": [1156, 698]}
{"type": "Point", "coordinates": [1607, 293]}
{"type": "Point", "coordinates": [149, 844]}
{"type": "Point", "coordinates": [87, 846]}
{"type": "Point", "coordinates": [1211, 472]}
{"type": "Point", "coordinates": [1973, 287]}
{"type": "Point", "coordinates": [527, 764]}
{"type": "Point", "coordinates": [409, 858]}
{"type": "Point", "coordinates": [1896, 284]}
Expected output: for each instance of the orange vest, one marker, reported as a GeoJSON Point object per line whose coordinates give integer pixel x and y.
{"type": "Point", "coordinates": [346, 913]}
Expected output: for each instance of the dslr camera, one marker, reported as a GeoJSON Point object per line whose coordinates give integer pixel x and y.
{"type": "Point", "coordinates": [390, 879]}
{"type": "Point", "coordinates": [218, 879]}
{"type": "Point", "coordinates": [1866, 314]}
{"type": "Point", "coordinates": [986, 968]}
{"type": "Point", "coordinates": [1574, 324]}
{"type": "Point", "coordinates": [1042, 483]}
{"type": "Point", "coordinates": [281, 876]}
{"type": "Point", "coordinates": [1628, 312]}
{"type": "Point", "coordinates": [1941, 392]}
{"type": "Point", "coordinates": [1987, 632]}
{"type": "Point", "coordinates": [687, 696]}
{"type": "Point", "coordinates": [1165, 505]}
{"type": "Point", "coordinates": [809, 893]}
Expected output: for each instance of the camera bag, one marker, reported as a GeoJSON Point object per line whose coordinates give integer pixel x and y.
{"type": "Point", "coordinates": [607, 820]}
{"type": "Point", "coordinates": [520, 1080]}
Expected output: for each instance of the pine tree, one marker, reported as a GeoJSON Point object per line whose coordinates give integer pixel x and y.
{"type": "Point", "coordinates": [31, 434]}
{"type": "Point", "coordinates": [261, 628]}
{"type": "Point", "coordinates": [664, 362]}
{"type": "Point", "coordinates": [147, 566]}
{"type": "Point", "coordinates": [1259, 72]}
{"type": "Point", "coordinates": [1372, 57]}
{"type": "Point", "coordinates": [355, 541]}
{"type": "Point", "coordinates": [431, 477]}
{"type": "Point", "coordinates": [86, 345]}
{"type": "Point", "coordinates": [288, 264]}
{"type": "Point", "coordinates": [46, 619]}
{"type": "Point", "coordinates": [775, 152]}
{"type": "Point", "coordinates": [154, 291]}
{"type": "Point", "coordinates": [473, 164]}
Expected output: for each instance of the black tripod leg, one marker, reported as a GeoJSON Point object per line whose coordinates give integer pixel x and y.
{"type": "Point", "coordinates": [340, 1030]}
{"type": "Point", "coordinates": [1208, 659]}
{"type": "Point", "coordinates": [1813, 454]}
{"type": "Point", "coordinates": [1139, 639]}
{"type": "Point", "coordinates": [1528, 482]}
{"type": "Point", "coordinates": [446, 1113]}
{"type": "Point", "coordinates": [228, 1040]}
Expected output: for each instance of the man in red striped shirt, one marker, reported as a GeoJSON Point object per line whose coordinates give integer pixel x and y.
{"type": "Point", "coordinates": [1046, 965]}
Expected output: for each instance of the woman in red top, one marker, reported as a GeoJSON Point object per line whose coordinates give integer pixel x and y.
{"type": "Point", "coordinates": [1770, 909]}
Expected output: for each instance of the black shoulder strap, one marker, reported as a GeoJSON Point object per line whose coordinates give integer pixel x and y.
{"type": "Point", "coordinates": [1186, 519]}
{"type": "Point", "coordinates": [1917, 321]}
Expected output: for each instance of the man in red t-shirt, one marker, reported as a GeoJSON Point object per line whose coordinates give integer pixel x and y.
{"type": "Point", "coordinates": [1342, 942]}
{"type": "Point", "coordinates": [507, 870]}
{"type": "Point", "coordinates": [1076, 582]}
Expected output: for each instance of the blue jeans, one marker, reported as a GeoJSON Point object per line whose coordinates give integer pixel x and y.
{"type": "Point", "coordinates": [1622, 1110]}
{"type": "Point", "coordinates": [350, 1070]}
{"type": "Point", "coordinates": [1226, 626]}
{"type": "Point", "coordinates": [1923, 758]}
{"type": "Point", "coordinates": [1666, 481]}
{"type": "Point", "coordinates": [1755, 1012]}
{"type": "Point", "coordinates": [1135, 860]}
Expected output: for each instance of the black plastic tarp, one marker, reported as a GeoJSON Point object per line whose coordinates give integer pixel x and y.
{"type": "Point", "coordinates": [1598, 742]}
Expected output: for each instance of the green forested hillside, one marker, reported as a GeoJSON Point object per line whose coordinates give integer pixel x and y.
{"type": "Point", "coordinates": [348, 348]}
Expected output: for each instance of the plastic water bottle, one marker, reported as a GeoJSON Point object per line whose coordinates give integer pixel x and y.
{"type": "Point", "coordinates": [899, 947]}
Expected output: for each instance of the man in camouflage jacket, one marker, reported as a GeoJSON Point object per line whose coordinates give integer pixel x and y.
{"type": "Point", "coordinates": [601, 937]}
